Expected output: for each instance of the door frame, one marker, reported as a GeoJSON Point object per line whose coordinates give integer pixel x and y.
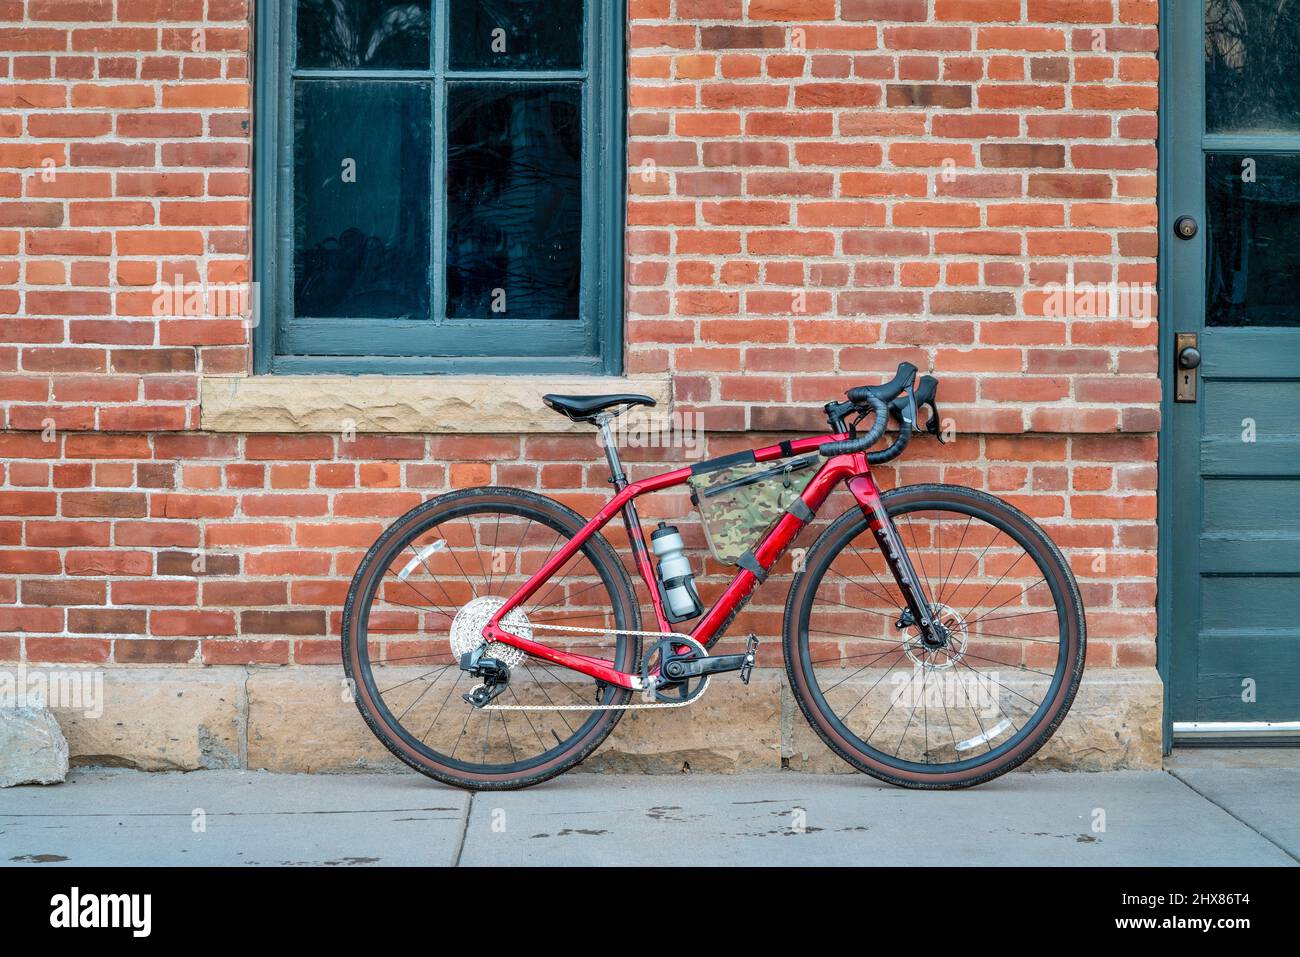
{"type": "Point", "coordinates": [1165, 475]}
{"type": "Point", "coordinates": [1178, 482]}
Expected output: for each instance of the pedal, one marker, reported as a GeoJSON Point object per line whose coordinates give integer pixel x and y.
{"type": "Point", "coordinates": [751, 653]}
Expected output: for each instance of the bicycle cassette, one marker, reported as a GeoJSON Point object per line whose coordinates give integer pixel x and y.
{"type": "Point", "coordinates": [467, 630]}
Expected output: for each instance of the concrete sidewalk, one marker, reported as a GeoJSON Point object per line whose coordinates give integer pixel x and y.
{"type": "Point", "coordinates": [1205, 809]}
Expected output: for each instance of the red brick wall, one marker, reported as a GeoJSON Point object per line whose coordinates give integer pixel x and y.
{"type": "Point", "coordinates": [818, 190]}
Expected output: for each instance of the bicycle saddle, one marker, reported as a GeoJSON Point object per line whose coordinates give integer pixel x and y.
{"type": "Point", "coordinates": [582, 408]}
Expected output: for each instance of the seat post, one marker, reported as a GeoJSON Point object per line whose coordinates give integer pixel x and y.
{"type": "Point", "coordinates": [616, 474]}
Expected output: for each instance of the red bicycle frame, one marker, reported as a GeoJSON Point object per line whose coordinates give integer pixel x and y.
{"type": "Point", "coordinates": [851, 469]}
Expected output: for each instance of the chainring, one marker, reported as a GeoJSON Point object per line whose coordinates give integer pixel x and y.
{"type": "Point", "coordinates": [673, 692]}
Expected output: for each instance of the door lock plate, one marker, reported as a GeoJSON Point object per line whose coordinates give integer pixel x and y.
{"type": "Point", "coordinates": [1185, 379]}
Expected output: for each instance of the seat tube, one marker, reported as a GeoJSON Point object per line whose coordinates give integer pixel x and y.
{"type": "Point", "coordinates": [632, 521]}
{"type": "Point", "coordinates": [867, 494]}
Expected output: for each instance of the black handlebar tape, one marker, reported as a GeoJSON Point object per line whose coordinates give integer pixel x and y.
{"type": "Point", "coordinates": [896, 449]}
{"type": "Point", "coordinates": [862, 442]}
{"type": "Point", "coordinates": [889, 390]}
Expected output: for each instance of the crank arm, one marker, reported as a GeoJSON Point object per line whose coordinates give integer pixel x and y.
{"type": "Point", "coordinates": [676, 670]}
{"type": "Point", "coordinates": [719, 664]}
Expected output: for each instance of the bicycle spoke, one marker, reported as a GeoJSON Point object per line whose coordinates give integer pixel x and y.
{"type": "Point", "coordinates": [961, 541]}
{"type": "Point", "coordinates": [496, 532]}
{"type": "Point", "coordinates": [418, 699]}
{"type": "Point", "coordinates": [417, 678]}
{"type": "Point", "coordinates": [1022, 614]}
{"type": "Point", "coordinates": [873, 575]}
{"type": "Point", "coordinates": [882, 654]}
{"type": "Point", "coordinates": [925, 676]}
{"type": "Point", "coordinates": [969, 654]}
{"type": "Point", "coordinates": [925, 576]}
{"type": "Point", "coordinates": [1009, 600]}
{"type": "Point", "coordinates": [865, 654]}
{"type": "Point", "coordinates": [1032, 641]}
{"type": "Point", "coordinates": [456, 559]}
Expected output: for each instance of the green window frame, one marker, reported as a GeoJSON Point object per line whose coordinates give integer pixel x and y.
{"type": "Point", "coordinates": [589, 343]}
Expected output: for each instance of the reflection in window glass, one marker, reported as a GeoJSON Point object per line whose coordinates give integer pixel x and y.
{"type": "Point", "coordinates": [514, 200]}
{"type": "Point", "coordinates": [363, 34]}
{"type": "Point", "coordinates": [1252, 50]}
{"type": "Point", "coordinates": [361, 199]}
{"type": "Point", "coordinates": [1252, 206]}
{"type": "Point", "coordinates": [516, 34]}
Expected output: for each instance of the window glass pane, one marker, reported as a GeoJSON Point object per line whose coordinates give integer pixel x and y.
{"type": "Point", "coordinates": [514, 200]}
{"type": "Point", "coordinates": [516, 34]}
{"type": "Point", "coordinates": [363, 34]}
{"type": "Point", "coordinates": [1252, 206]}
{"type": "Point", "coordinates": [361, 199]}
{"type": "Point", "coordinates": [1252, 48]}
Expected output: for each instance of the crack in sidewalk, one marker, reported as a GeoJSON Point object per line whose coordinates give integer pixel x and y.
{"type": "Point", "coordinates": [1173, 773]}
{"type": "Point", "coordinates": [187, 814]}
{"type": "Point", "coordinates": [464, 831]}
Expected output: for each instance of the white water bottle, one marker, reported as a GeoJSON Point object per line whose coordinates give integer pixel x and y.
{"type": "Point", "coordinates": [675, 578]}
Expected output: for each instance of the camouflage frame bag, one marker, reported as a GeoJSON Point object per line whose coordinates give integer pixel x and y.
{"type": "Point", "coordinates": [739, 503]}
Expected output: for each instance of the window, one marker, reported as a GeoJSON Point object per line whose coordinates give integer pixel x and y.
{"type": "Point", "coordinates": [439, 186]}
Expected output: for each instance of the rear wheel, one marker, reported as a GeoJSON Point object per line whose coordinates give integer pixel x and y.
{"type": "Point", "coordinates": [420, 599]}
{"type": "Point", "coordinates": [936, 717]}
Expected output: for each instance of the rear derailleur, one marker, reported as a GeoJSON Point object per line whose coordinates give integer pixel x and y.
{"type": "Point", "coordinates": [495, 675]}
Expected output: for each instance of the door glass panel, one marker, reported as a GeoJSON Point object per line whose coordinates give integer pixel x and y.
{"type": "Point", "coordinates": [514, 200]}
{"type": "Point", "coordinates": [1252, 48]}
{"type": "Point", "coordinates": [516, 34]}
{"type": "Point", "coordinates": [361, 199]}
{"type": "Point", "coordinates": [363, 34]}
{"type": "Point", "coordinates": [1252, 209]}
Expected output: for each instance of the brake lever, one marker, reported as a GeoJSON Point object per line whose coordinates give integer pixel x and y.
{"type": "Point", "coordinates": [929, 387]}
{"type": "Point", "coordinates": [909, 411]}
{"type": "Point", "coordinates": [908, 406]}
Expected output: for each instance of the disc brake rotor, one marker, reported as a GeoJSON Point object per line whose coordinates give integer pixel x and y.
{"type": "Point", "coordinates": [939, 659]}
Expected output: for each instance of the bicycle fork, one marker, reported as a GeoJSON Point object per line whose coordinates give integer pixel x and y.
{"type": "Point", "coordinates": [866, 492]}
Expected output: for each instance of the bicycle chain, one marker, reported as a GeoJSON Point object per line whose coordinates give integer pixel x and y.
{"type": "Point", "coordinates": [602, 707]}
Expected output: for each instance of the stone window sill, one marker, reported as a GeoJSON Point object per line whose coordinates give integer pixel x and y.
{"type": "Point", "coordinates": [427, 404]}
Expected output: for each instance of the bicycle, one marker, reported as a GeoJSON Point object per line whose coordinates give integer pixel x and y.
{"type": "Point", "coordinates": [923, 666]}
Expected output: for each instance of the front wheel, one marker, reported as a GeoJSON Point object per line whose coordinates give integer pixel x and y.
{"type": "Point", "coordinates": [936, 717]}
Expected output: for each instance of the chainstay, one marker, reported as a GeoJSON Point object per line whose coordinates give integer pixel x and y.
{"type": "Point", "coordinates": [599, 707]}
{"type": "Point", "coordinates": [603, 707]}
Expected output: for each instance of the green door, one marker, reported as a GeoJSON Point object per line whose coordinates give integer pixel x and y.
{"type": "Point", "coordinates": [1231, 490]}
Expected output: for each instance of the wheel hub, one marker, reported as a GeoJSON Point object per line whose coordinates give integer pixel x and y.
{"type": "Point", "coordinates": [945, 653]}
{"type": "Point", "coordinates": [467, 630]}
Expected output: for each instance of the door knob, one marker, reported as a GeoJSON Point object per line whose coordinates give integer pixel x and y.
{"type": "Point", "coordinates": [1184, 227]}
{"type": "Point", "coordinates": [1186, 358]}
